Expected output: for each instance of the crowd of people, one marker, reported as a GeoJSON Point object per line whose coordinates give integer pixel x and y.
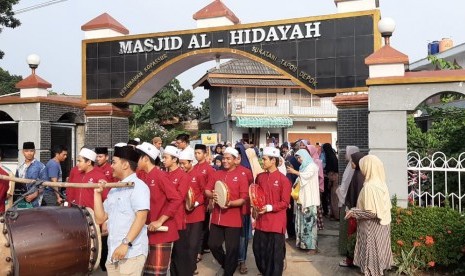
{"type": "Point", "coordinates": [174, 213]}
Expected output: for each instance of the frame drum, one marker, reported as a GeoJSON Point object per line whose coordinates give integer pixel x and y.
{"type": "Point", "coordinates": [257, 196]}
{"type": "Point", "coordinates": [222, 191]}
{"type": "Point", "coordinates": [50, 241]}
{"type": "Point", "coordinates": [190, 199]}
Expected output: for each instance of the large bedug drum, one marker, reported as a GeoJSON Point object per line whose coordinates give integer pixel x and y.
{"type": "Point", "coordinates": [49, 241]}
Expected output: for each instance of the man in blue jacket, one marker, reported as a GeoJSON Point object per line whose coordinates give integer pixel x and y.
{"type": "Point", "coordinates": [31, 168]}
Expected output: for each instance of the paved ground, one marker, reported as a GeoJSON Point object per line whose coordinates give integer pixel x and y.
{"type": "Point", "coordinates": [326, 262]}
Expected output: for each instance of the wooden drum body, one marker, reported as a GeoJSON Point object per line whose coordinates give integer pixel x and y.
{"type": "Point", "coordinates": [49, 241]}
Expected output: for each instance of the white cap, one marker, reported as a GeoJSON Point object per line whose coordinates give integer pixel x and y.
{"type": "Point", "coordinates": [232, 151]}
{"type": "Point", "coordinates": [137, 140]}
{"type": "Point", "coordinates": [121, 145]}
{"type": "Point", "coordinates": [149, 149]}
{"type": "Point", "coordinates": [173, 151]}
{"type": "Point", "coordinates": [271, 152]}
{"type": "Point", "coordinates": [186, 155]}
{"type": "Point", "coordinates": [89, 154]}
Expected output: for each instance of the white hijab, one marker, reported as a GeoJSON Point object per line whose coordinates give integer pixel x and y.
{"type": "Point", "coordinates": [374, 196]}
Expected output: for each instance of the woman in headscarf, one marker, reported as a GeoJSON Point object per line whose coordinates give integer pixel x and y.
{"type": "Point", "coordinates": [355, 185]}
{"type": "Point", "coordinates": [309, 199]}
{"type": "Point", "coordinates": [332, 171]}
{"type": "Point", "coordinates": [341, 195]}
{"type": "Point", "coordinates": [373, 213]}
{"type": "Point", "coordinates": [303, 144]}
{"type": "Point", "coordinates": [321, 179]}
{"type": "Point", "coordinates": [218, 150]}
{"type": "Point", "coordinates": [244, 160]}
{"type": "Point", "coordinates": [253, 160]}
{"type": "Point", "coordinates": [218, 162]}
{"type": "Point", "coordinates": [282, 166]}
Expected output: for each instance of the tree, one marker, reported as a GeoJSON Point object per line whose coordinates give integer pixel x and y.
{"type": "Point", "coordinates": [204, 110]}
{"type": "Point", "coordinates": [170, 103]}
{"type": "Point", "coordinates": [7, 17]}
{"type": "Point", "coordinates": [8, 82]}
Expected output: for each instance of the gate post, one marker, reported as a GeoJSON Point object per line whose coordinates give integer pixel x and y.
{"type": "Point", "coordinates": [107, 125]}
{"type": "Point", "coordinates": [352, 124]}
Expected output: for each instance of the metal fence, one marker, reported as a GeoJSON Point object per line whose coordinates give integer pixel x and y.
{"type": "Point", "coordinates": [436, 180]}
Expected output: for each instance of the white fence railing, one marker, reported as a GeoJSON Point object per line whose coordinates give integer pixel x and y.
{"type": "Point", "coordinates": [435, 178]}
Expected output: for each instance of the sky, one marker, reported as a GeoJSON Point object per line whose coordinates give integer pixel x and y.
{"type": "Point", "coordinates": [54, 32]}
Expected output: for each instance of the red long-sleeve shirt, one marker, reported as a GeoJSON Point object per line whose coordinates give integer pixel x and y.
{"type": "Point", "coordinates": [238, 188]}
{"type": "Point", "coordinates": [248, 174]}
{"type": "Point", "coordinates": [197, 183]}
{"type": "Point", "coordinates": [180, 180]}
{"type": "Point", "coordinates": [277, 188]}
{"type": "Point", "coordinates": [85, 196]}
{"type": "Point", "coordinates": [164, 200]}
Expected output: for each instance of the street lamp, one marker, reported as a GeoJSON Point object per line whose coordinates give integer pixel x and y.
{"type": "Point", "coordinates": [33, 60]}
{"type": "Point", "coordinates": [386, 27]}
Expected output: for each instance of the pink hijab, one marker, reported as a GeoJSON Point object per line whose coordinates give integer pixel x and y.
{"type": "Point", "coordinates": [316, 158]}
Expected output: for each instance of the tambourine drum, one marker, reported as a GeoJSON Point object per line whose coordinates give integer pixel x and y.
{"type": "Point", "coordinates": [190, 200]}
{"type": "Point", "coordinates": [221, 189]}
{"type": "Point", "coordinates": [49, 241]}
{"type": "Point", "coordinates": [257, 196]}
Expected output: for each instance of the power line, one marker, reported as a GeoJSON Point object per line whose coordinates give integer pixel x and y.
{"type": "Point", "coordinates": [38, 6]}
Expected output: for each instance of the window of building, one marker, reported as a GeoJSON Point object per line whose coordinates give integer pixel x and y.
{"type": "Point", "coordinates": [301, 97]}
{"type": "Point", "coordinates": [250, 96]}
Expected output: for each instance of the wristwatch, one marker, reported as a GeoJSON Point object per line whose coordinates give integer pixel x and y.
{"type": "Point", "coordinates": [127, 242]}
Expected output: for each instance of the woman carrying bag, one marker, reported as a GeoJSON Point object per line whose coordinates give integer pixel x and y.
{"type": "Point", "coordinates": [307, 203]}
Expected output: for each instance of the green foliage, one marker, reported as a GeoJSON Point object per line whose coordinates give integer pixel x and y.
{"type": "Point", "coordinates": [8, 82]}
{"type": "Point", "coordinates": [151, 129]}
{"type": "Point", "coordinates": [445, 134]}
{"type": "Point", "coordinates": [171, 102]}
{"type": "Point", "coordinates": [437, 235]}
{"type": "Point", "coordinates": [408, 263]}
{"type": "Point", "coordinates": [443, 64]}
{"type": "Point", "coordinates": [204, 110]}
{"type": "Point", "coordinates": [7, 18]}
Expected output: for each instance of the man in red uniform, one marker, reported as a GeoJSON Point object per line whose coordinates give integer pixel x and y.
{"type": "Point", "coordinates": [269, 241]}
{"type": "Point", "coordinates": [180, 180]}
{"type": "Point", "coordinates": [207, 171]}
{"type": "Point", "coordinates": [103, 164]}
{"type": "Point", "coordinates": [164, 203]}
{"type": "Point", "coordinates": [226, 222]}
{"type": "Point", "coordinates": [196, 216]}
{"type": "Point", "coordinates": [90, 174]}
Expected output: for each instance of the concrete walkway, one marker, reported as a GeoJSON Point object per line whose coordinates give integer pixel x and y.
{"type": "Point", "coordinates": [326, 262]}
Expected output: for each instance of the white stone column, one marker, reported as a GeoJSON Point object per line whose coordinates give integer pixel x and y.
{"type": "Point", "coordinates": [387, 131]}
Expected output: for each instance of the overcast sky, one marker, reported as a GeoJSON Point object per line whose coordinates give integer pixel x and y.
{"type": "Point", "coordinates": [54, 32]}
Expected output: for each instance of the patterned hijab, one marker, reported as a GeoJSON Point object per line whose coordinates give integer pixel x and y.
{"type": "Point", "coordinates": [374, 196]}
{"type": "Point", "coordinates": [306, 159]}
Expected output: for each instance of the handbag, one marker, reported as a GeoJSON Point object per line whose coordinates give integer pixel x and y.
{"type": "Point", "coordinates": [296, 190]}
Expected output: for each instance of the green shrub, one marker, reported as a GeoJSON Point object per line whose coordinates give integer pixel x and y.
{"type": "Point", "coordinates": [437, 233]}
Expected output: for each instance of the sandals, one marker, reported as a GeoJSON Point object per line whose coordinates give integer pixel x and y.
{"type": "Point", "coordinates": [344, 263]}
{"type": "Point", "coordinates": [243, 268]}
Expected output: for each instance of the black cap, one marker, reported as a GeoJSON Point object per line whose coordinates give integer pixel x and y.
{"type": "Point", "coordinates": [127, 152]}
{"type": "Point", "coordinates": [29, 145]}
{"type": "Point", "coordinates": [201, 147]}
{"type": "Point", "coordinates": [101, 150]}
{"type": "Point", "coordinates": [133, 142]}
